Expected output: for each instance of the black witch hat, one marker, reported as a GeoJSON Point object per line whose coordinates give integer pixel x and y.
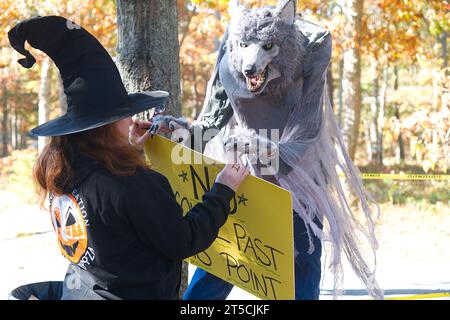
{"type": "Point", "coordinates": [95, 92]}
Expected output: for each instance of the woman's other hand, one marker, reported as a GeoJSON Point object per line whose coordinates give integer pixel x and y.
{"type": "Point", "coordinates": [232, 175]}
{"type": "Point", "coordinates": [139, 133]}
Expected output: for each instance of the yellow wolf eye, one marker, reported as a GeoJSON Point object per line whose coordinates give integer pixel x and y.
{"type": "Point", "coordinates": [268, 46]}
{"type": "Point", "coordinates": [243, 45]}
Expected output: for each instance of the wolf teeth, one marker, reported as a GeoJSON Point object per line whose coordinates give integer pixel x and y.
{"type": "Point", "coordinates": [256, 82]}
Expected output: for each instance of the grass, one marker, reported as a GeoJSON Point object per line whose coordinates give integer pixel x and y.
{"type": "Point", "coordinates": [16, 184]}
{"type": "Point", "coordinates": [421, 192]}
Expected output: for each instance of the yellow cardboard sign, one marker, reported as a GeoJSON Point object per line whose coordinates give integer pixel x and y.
{"type": "Point", "coordinates": [254, 249]}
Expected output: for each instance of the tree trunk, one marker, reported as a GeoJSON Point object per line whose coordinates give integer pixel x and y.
{"type": "Point", "coordinates": [444, 37]}
{"type": "Point", "coordinates": [44, 97]}
{"type": "Point", "coordinates": [352, 76]}
{"type": "Point", "coordinates": [23, 134]}
{"type": "Point", "coordinates": [5, 120]}
{"type": "Point", "coordinates": [368, 138]}
{"type": "Point", "coordinates": [184, 27]}
{"type": "Point", "coordinates": [14, 130]}
{"type": "Point", "coordinates": [377, 111]}
{"type": "Point", "coordinates": [401, 145]}
{"type": "Point", "coordinates": [400, 155]}
{"type": "Point", "coordinates": [198, 101]}
{"type": "Point", "coordinates": [374, 111]}
{"type": "Point", "coordinates": [380, 128]}
{"type": "Point", "coordinates": [148, 49]}
{"type": "Point", "coordinates": [148, 55]}
{"type": "Point", "coordinates": [61, 95]}
{"type": "Point", "coordinates": [439, 76]}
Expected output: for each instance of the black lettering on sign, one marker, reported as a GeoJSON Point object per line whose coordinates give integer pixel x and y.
{"type": "Point", "coordinates": [240, 233]}
{"type": "Point", "coordinates": [265, 285]}
{"type": "Point", "coordinates": [223, 239]}
{"type": "Point", "coordinates": [233, 205]}
{"type": "Point", "coordinates": [273, 251]}
{"type": "Point", "coordinates": [204, 258]}
{"type": "Point", "coordinates": [204, 183]}
{"type": "Point", "coordinates": [271, 285]}
{"type": "Point", "coordinates": [231, 262]}
{"type": "Point", "coordinates": [184, 202]}
{"type": "Point", "coordinates": [257, 245]}
{"type": "Point", "coordinates": [263, 253]}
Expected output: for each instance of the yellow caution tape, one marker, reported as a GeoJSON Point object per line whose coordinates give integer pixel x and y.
{"type": "Point", "coordinates": [421, 296]}
{"type": "Point", "coordinates": [379, 176]}
{"type": "Point", "coordinates": [387, 176]}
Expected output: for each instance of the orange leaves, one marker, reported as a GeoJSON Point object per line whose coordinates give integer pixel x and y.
{"type": "Point", "coordinates": [401, 24]}
{"type": "Point", "coordinates": [20, 85]}
{"type": "Point", "coordinates": [427, 131]}
{"type": "Point", "coordinates": [201, 26]}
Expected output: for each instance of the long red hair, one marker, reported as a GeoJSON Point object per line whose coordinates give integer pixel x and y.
{"type": "Point", "coordinates": [53, 171]}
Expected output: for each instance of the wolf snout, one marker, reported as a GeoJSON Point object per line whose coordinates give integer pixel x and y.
{"type": "Point", "coordinates": [250, 70]}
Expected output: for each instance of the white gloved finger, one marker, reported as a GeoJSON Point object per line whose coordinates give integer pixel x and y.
{"type": "Point", "coordinates": [180, 135]}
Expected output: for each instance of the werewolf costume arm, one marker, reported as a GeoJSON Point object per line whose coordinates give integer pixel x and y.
{"type": "Point", "coordinates": [217, 110]}
{"type": "Point", "coordinates": [313, 145]}
{"type": "Point", "coordinates": [305, 121]}
{"type": "Point", "coordinates": [313, 149]}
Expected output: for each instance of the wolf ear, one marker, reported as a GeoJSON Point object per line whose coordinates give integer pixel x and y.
{"type": "Point", "coordinates": [286, 10]}
{"type": "Point", "coordinates": [234, 7]}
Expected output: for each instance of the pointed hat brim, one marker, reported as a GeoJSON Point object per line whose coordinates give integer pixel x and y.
{"type": "Point", "coordinates": [135, 103]}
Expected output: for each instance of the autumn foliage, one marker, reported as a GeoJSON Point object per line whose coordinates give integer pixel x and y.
{"type": "Point", "coordinates": [403, 45]}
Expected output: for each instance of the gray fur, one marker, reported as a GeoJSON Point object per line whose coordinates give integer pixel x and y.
{"type": "Point", "coordinates": [311, 143]}
{"type": "Point", "coordinates": [178, 128]}
{"type": "Point", "coordinates": [286, 10]}
{"type": "Point", "coordinates": [264, 25]}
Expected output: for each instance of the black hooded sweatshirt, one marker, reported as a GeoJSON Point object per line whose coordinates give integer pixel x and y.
{"type": "Point", "coordinates": [126, 236]}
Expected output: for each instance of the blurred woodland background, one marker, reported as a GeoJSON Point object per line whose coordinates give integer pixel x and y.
{"type": "Point", "coordinates": [389, 77]}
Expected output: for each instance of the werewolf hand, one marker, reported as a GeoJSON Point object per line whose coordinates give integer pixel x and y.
{"type": "Point", "coordinates": [246, 141]}
{"type": "Point", "coordinates": [178, 128]}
